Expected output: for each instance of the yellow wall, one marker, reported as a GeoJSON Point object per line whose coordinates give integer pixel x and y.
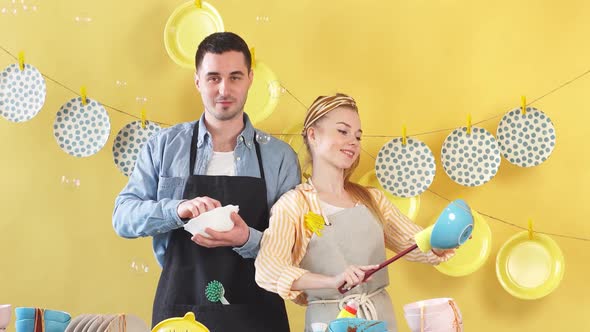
{"type": "Point", "coordinates": [423, 63]}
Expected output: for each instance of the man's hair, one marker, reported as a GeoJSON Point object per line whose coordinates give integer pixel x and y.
{"type": "Point", "coordinates": [221, 42]}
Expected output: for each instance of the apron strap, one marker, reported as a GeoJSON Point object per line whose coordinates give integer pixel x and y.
{"type": "Point", "coordinates": [259, 156]}
{"type": "Point", "coordinates": [193, 152]}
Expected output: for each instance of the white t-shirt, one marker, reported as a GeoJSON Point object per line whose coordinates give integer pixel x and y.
{"type": "Point", "coordinates": [329, 209]}
{"type": "Point", "coordinates": [222, 163]}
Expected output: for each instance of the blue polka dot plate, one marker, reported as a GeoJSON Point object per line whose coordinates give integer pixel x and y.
{"type": "Point", "coordinates": [405, 170]}
{"type": "Point", "coordinates": [528, 139]}
{"type": "Point", "coordinates": [129, 142]}
{"type": "Point", "coordinates": [81, 130]}
{"type": "Point", "coordinates": [470, 159]}
{"type": "Point", "coordinates": [22, 93]}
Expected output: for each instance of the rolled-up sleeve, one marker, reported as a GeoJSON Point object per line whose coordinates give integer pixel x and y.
{"type": "Point", "coordinates": [399, 232]}
{"type": "Point", "coordinates": [275, 269]}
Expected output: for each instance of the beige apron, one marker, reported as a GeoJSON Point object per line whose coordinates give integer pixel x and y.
{"type": "Point", "coordinates": [355, 237]}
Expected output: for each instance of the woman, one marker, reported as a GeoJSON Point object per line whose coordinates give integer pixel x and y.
{"type": "Point", "coordinates": [358, 224]}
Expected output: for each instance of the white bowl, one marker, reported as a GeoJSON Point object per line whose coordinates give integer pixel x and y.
{"type": "Point", "coordinates": [430, 306]}
{"type": "Point", "coordinates": [438, 316]}
{"type": "Point", "coordinates": [5, 313]}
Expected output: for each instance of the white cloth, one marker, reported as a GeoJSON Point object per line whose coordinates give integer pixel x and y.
{"type": "Point", "coordinates": [217, 219]}
{"type": "Point", "coordinates": [222, 163]}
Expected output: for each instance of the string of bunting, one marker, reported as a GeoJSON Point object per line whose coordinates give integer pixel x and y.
{"type": "Point", "coordinates": [82, 97]}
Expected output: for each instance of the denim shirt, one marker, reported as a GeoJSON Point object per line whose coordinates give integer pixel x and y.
{"type": "Point", "coordinates": [147, 206]}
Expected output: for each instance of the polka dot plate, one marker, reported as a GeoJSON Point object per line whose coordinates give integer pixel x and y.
{"type": "Point", "coordinates": [470, 159]}
{"type": "Point", "coordinates": [81, 130]}
{"type": "Point", "coordinates": [22, 93]}
{"type": "Point", "coordinates": [405, 170]}
{"type": "Point", "coordinates": [129, 142]}
{"type": "Point", "coordinates": [526, 140]}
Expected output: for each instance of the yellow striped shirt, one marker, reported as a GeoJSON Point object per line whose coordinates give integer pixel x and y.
{"type": "Point", "coordinates": [284, 243]}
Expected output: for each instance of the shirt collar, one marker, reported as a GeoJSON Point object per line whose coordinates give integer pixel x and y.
{"type": "Point", "coordinates": [308, 186]}
{"type": "Point", "coordinates": [247, 135]}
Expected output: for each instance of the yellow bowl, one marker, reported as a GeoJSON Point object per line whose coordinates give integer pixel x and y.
{"type": "Point", "coordinates": [186, 27]}
{"type": "Point", "coordinates": [408, 206]}
{"type": "Point", "coordinates": [473, 253]}
{"type": "Point", "coordinates": [185, 324]}
{"type": "Point", "coordinates": [264, 93]}
{"type": "Point", "coordinates": [530, 268]}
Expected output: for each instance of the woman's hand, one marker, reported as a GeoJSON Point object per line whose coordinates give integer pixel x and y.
{"type": "Point", "coordinates": [353, 275]}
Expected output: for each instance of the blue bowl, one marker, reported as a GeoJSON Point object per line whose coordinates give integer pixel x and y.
{"type": "Point", "coordinates": [55, 321]}
{"type": "Point", "coordinates": [357, 324]}
{"type": "Point", "coordinates": [453, 227]}
{"type": "Point", "coordinates": [28, 325]}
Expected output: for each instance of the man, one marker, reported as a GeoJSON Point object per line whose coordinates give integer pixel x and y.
{"type": "Point", "coordinates": [191, 168]}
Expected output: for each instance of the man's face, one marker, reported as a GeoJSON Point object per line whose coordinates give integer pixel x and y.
{"type": "Point", "coordinates": [223, 81]}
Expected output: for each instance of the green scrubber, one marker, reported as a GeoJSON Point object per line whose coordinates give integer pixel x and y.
{"type": "Point", "coordinates": [215, 292]}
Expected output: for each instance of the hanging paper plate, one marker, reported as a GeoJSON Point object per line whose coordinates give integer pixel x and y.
{"type": "Point", "coordinates": [81, 130]}
{"type": "Point", "coordinates": [22, 93]}
{"type": "Point", "coordinates": [188, 25]}
{"type": "Point", "coordinates": [473, 253]}
{"type": "Point", "coordinates": [129, 142]}
{"type": "Point", "coordinates": [526, 140]}
{"type": "Point", "coordinates": [264, 93]}
{"type": "Point", "coordinates": [405, 170]}
{"type": "Point", "coordinates": [408, 206]}
{"type": "Point", "coordinates": [470, 159]}
{"type": "Point", "coordinates": [530, 269]}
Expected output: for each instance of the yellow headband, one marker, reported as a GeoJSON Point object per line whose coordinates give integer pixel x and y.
{"type": "Point", "coordinates": [323, 105]}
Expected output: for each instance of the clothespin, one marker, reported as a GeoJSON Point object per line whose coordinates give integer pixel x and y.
{"type": "Point", "coordinates": [523, 103]}
{"type": "Point", "coordinates": [199, 4]}
{"type": "Point", "coordinates": [253, 53]}
{"type": "Point", "coordinates": [83, 95]}
{"type": "Point", "coordinates": [404, 136]}
{"type": "Point", "coordinates": [531, 236]}
{"type": "Point", "coordinates": [21, 60]}
{"type": "Point", "coordinates": [469, 124]}
{"type": "Point", "coordinates": [143, 118]}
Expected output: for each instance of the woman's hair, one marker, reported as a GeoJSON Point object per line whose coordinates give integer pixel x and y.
{"type": "Point", "coordinates": [320, 107]}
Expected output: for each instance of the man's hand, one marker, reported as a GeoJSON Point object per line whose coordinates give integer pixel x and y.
{"type": "Point", "coordinates": [236, 237]}
{"type": "Point", "coordinates": [196, 206]}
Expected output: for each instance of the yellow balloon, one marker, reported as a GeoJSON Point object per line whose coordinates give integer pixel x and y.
{"type": "Point", "coordinates": [185, 324]}
{"type": "Point", "coordinates": [408, 206]}
{"type": "Point", "coordinates": [473, 253]}
{"type": "Point", "coordinates": [530, 268]}
{"type": "Point", "coordinates": [264, 93]}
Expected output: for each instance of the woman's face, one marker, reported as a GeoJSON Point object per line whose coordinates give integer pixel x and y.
{"type": "Point", "coordinates": [336, 138]}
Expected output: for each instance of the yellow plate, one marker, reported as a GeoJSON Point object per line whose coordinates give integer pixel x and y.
{"type": "Point", "coordinates": [408, 206]}
{"type": "Point", "coordinates": [264, 93]}
{"type": "Point", "coordinates": [185, 324]}
{"type": "Point", "coordinates": [530, 269]}
{"type": "Point", "coordinates": [473, 253]}
{"type": "Point", "coordinates": [186, 28]}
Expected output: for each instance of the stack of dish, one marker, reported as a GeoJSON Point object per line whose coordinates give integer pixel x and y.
{"type": "Point", "coordinates": [106, 322]}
